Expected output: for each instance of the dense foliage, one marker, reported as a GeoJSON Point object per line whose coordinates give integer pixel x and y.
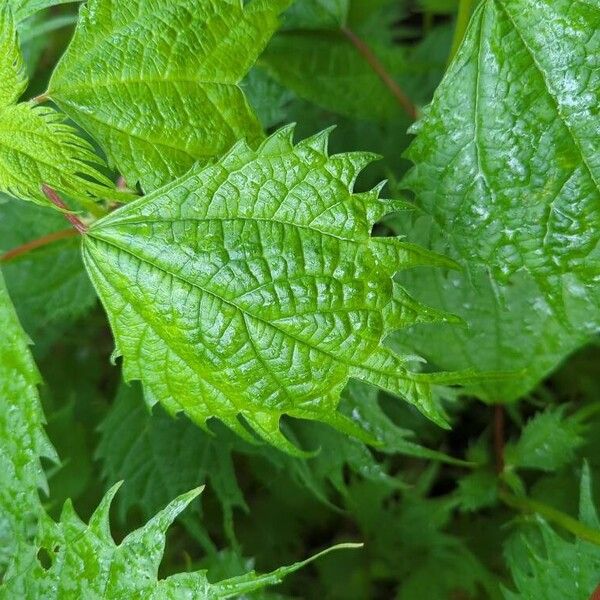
{"type": "Point", "coordinates": [380, 340]}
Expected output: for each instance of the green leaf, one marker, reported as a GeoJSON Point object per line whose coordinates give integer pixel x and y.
{"type": "Point", "coordinates": [47, 285]}
{"type": "Point", "coordinates": [545, 565]}
{"type": "Point", "coordinates": [36, 146]}
{"type": "Point", "coordinates": [85, 562]}
{"type": "Point", "coordinates": [157, 112]}
{"type": "Point", "coordinates": [22, 439]}
{"type": "Point", "coordinates": [159, 458]}
{"type": "Point", "coordinates": [253, 287]}
{"type": "Point", "coordinates": [409, 534]}
{"type": "Point", "coordinates": [549, 441]}
{"type": "Point", "coordinates": [477, 490]}
{"type": "Point", "coordinates": [506, 167]}
{"type": "Point", "coordinates": [13, 79]}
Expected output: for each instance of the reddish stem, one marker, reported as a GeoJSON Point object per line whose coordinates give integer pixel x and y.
{"type": "Point", "coordinates": [596, 594]}
{"type": "Point", "coordinates": [403, 100]}
{"type": "Point", "coordinates": [499, 437]}
{"type": "Point", "coordinates": [77, 223]}
{"type": "Point", "coordinates": [39, 243]}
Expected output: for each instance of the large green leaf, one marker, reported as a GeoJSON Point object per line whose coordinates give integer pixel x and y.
{"type": "Point", "coordinates": [83, 561]}
{"type": "Point", "coordinates": [506, 167]}
{"type": "Point", "coordinates": [253, 287]}
{"type": "Point", "coordinates": [22, 439]}
{"type": "Point", "coordinates": [157, 112]}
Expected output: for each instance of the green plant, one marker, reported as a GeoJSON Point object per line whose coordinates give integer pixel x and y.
{"type": "Point", "coordinates": [411, 367]}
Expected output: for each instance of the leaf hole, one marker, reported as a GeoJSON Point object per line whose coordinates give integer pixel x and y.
{"type": "Point", "coordinates": [45, 558]}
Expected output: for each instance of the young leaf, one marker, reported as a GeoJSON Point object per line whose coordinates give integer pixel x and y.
{"type": "Point", "coordinates": [548, 442]}
{"type": "Point", "coordinates": [253, 287]}
{"type": "Point", "coordinates": [506, 165]}
{"type": "Point", "coordinates": [22, 439]}
{"type": "Point", "coordinates": [545, 565]}
{"type": "Point", "coordinates": [36, 146]}
{"type": "Point", "coordinates": [157, 112]}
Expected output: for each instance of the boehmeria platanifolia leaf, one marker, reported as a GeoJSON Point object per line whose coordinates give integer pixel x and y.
{"type": "Point", "coordinates": [157, 112]}
{"type": "Point", "coordinates": [253, 287]}
{"type": "Point", "coordinates": [85, 562]}
{"type": "Point", "coordinates": [36, 145]}
{"type": "Point", "coordinates": [507, 169]}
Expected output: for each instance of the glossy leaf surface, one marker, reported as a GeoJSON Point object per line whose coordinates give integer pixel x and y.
{"type": "Point", "coordinates": [253, 287]}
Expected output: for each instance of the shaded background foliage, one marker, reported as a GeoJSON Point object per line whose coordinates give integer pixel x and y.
{"type": "Point", "coordinates": [428, 503]}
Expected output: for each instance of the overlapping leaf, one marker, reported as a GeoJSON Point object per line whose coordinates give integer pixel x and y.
{"type": "Point", "coordinates": [85, 562]}
{"type": "Point", "coordinates": [157, 112]}
{"type": "Point", "coordinates": [253, 287]}
{"type": "Point", "coordinates": [159, 458]}
{"type": "Point", "coordinates": [507, 169]}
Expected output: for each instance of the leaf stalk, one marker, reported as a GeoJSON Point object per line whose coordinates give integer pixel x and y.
{"type": "Point", "coordinates": [45, 240]}
{"type": "Point", "coordinates": [403, 100]}
{"type": "Point", "coordinates": [77, 223]}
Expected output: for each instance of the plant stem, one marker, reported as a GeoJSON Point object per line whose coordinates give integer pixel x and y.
{"type": "Point", "coordinates": [577, 528]}
{"type": "Point", "coordinates": [368, 54]}
{"type": "Point", "coordinates": [499, 436]}
{"type": "Point", "coordinates": [39, 243]}
{"type": "Point", "coordinates": [79, 225]}
{"type": "Point", "coordinates": [465, 8]}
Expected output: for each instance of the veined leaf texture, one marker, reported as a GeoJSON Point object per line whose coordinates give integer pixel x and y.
{"type": "Point", "coordinates": [253, 287]}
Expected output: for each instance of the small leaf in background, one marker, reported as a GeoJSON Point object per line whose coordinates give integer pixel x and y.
{"type": "Point", "coordinates": [546, 565]}
{"type": "Point", "coordinates": [159, 457]}
{"type": "Point", "coordinates": [549, 441]}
